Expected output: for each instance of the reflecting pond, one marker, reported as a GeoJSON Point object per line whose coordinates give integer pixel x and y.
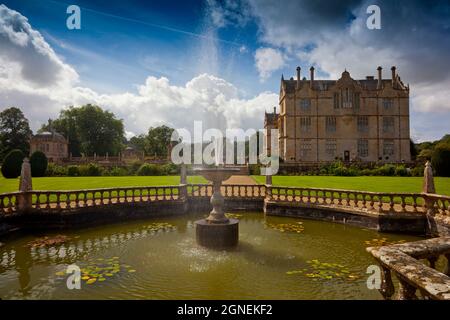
{"type": "Point", "coordinates": [277, 258]}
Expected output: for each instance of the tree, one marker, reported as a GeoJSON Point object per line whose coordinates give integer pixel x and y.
{"type": "Point", "coordinates": [38, 162]}
{"type": "Point", "coordinates": [158, 141]}
{"type": "Point", "coordinates": [138, 142]}
{"type": "Point", "coordinates": [89, 130]}
{"type": "Point", "coordinates": [413, 149]}
{"type": "Point", "coordinates": [12, 164]}
{"type": "Point", "coordinates": [441, 159]}
{"type": "Point", "coordinates": [15, 131]}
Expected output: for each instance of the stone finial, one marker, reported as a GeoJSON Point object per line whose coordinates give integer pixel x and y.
{"type": "Point", "coordinates": [183, 175]}
{"type": "Point", "coordinates": [428, 181]}
{"type": "Point", "coordinates": [25, 183]}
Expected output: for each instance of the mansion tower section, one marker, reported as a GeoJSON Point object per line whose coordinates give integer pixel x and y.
{"type": "Point", "coordinates": [345, 119]}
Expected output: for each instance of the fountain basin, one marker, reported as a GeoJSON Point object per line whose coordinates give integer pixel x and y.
{"type": "Point", "coordinates": [217, 235]}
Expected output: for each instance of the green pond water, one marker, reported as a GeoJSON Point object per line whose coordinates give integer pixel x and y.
{"type": "Point", "coordinates": [147, 260]}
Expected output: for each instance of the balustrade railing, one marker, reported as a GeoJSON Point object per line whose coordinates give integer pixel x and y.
{"type": "Point", "coordinates": [8, 202]}
{"type": "Point", "coordinates": [94, 197]}
{"type": "Point", "coordinates": [351, 199]}
{"type": "Point", "coordinates": [346, 199]}
{"type": "Point", "coordinates": [415, 266]}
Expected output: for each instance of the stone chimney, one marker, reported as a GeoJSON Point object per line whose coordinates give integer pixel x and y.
{"type": "Point", "coordinates": [380, 78]}
{"type": "Point", "coordinates": [393, 76]}
{"type": "Point", "coordinates": [298, 77]}
{"type": "Point", "coordinates": [311, 70]}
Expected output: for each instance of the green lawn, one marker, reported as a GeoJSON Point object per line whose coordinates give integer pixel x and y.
{"type": "Point", "coordinates": [75, 183]}
{"type": "Point", "coordinates": [363, 183]}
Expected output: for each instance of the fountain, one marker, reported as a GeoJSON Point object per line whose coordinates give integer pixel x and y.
{"type": "Point", "coordinates": [217, 231]}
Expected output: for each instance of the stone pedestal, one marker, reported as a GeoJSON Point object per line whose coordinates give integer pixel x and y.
{"type": "Point", "coordinates": [217, 235]}
{"type": "Point", "coordinates": [217, 231]}
{"type": "Point", "coordinates": [24, 198]}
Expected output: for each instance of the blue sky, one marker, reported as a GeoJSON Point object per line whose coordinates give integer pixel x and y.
{"type": "Point", "coordinates": [138, 38]}
{"type": "Point", "coordinates": [220, 61]}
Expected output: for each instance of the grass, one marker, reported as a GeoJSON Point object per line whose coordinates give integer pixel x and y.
{"type": "Point", "coordinates": [363, 183]}
{"type": "Point", "coordinates": [76, 183]}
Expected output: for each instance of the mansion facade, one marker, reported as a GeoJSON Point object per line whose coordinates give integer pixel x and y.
{"type": "Point", "coordinates": [345, 119]}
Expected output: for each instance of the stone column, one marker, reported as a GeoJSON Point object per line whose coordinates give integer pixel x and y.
{"type": "Point", "coordinates": [183, 175]}
{"type": "Point", "coordinates": [24, 199]}
{"type": "Point", "coordinates": [269, 179]}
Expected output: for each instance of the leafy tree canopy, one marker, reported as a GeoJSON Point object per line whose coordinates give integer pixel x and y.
{"type": "Point", "coordinates": [15, 131]}
{"type": "Point", "coordinates": [89, 129]}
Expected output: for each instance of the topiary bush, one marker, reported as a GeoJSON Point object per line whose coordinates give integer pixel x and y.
{"type": "Point", "coordinates": [12, 164]}
{"type": "Point", "coordinates": [39, 163]}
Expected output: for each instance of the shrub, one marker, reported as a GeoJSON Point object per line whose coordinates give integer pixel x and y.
{"type": "Point", "coordinates": [12, 164]}
{"type": "Point", "coordinates": [417, 171]}
{"type": "Point", "coordinates": [149, 169]}
{"type": "Point", "coordinates": [135, 165]}
{"type": "Point", "coordinates": [118, 171]}
{"type": "Point", "coordinates": [170, 169]}
{"type": "Point", "coordinates": [385, 170]}
{"type": "Point", "coordinates": [73, 171]}
{"type": "Point", "coordinates": [54, 170]}
{"type": "Point", "coordinates": [401, 171]}
{"type": "Point", "coordinates": [441, 160]}
{"type": "Point", "coordinates": [90, 170]}
{"type": "Point", "coordinates": [38, 162]}
{"type": "Point", "coordinates": [366, 172]}
{"type": "Point", "coordinates": [254, 169]}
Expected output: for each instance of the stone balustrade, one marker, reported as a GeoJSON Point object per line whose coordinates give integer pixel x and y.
{"type": "Point", "coordinates": [8, 202]}
{"type": "Point", "coordinates": [349, 199]}
{"type": "Point", "coordinates": [414, 265]}
{"type": "Point", "coordinates": [439, 203]}
{"type": "Point", "coordinates": [92, 197]}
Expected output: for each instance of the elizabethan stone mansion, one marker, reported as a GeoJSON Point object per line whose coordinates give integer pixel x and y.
{"type": "Point", "coordinates": [344, 119]}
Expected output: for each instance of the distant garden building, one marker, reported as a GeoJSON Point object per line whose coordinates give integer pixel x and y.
{"type": "Point", "coordinates": [346, 119]}
{"type": "Point", "coordinates": [52, 144]}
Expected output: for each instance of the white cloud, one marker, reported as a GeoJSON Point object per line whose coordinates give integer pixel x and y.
{"type": "Point", "coordinates": [213, 100]}
{"type": "Point", "coordinates": [332, 35]}
{"type": "Point", "coordinates": [268, 60]}
{"type": "Point", "coordinates": [30, 57]}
